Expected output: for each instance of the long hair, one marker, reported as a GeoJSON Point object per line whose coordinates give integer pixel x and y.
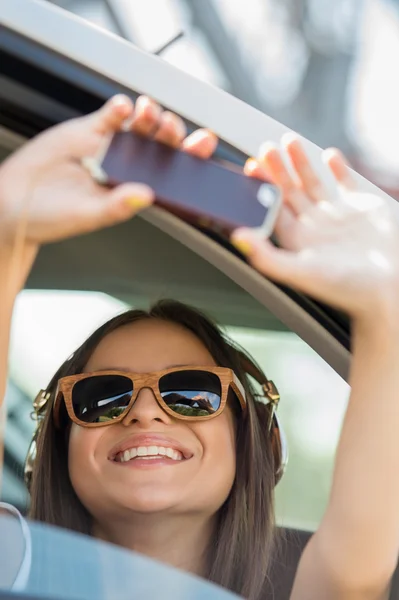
{"type": "Point", "coordinates": [238, 557]}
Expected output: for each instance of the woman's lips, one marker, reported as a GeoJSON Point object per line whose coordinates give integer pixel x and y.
{"type": "Point", "coordinates": [149, 444]}
{"type": "Point", "coordinates": [149, 463]}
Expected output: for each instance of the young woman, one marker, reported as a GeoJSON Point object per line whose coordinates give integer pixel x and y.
{"type": "Point", "coordinates": [151, 431]}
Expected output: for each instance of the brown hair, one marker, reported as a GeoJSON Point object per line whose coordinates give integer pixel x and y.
{"type": "Point", "coordinates": [239, 553]}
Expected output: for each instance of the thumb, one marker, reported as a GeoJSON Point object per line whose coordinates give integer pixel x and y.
{"type": "Point", "coordinates": [276, 263]}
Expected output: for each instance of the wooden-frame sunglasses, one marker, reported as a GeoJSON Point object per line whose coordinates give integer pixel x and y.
{"type": "Point", "coordinates": [227, 380]}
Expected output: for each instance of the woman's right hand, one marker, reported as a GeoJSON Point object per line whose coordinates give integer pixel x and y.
{"type": "Point", "coordinates": [46, 181]}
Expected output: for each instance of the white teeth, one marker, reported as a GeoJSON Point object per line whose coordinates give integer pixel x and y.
{"type": "Point", "coordinates": [148, 452]}
{"type": "Point", "coordinates": [134, 452]}
{"type": "Point", "coordinates": [148, 457]}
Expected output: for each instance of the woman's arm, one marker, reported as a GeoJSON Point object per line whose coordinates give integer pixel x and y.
{"type": "Point", "coordinates": [15, 264]}
{"type": "Point", "coordinates": [46, 195]}
{"type": "Point", "coordinates": [344, 251]}
{"type": "Point", "coordinates": [356, 548]}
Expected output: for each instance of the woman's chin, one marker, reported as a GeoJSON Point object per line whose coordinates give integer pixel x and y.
{"type": "Point", "coordinates": [149, 500]}
{"type": "Point", "coordinates": [146, 505]}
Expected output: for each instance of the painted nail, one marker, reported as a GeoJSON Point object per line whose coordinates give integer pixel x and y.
{"type": "Point", "coordinates": [243, 246]}
{"type": "Point", "coordinates": [137, 202]}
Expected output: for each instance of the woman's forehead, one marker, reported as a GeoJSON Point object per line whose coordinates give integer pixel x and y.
{"type": "Point", "coordinates": [149, 345]}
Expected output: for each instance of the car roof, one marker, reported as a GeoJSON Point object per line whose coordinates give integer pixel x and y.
{"type": "Point", "coordinates": [55, 66]}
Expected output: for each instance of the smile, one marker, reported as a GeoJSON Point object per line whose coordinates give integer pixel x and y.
{"type": "Point", "coordinates": [149, 453]}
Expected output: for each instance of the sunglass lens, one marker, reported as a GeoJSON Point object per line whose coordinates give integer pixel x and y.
{"type": "Point", "coordinates": [191, 393]}
{"type": "Point", "coordinates": [101, 398]}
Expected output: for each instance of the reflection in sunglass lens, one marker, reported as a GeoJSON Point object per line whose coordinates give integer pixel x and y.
{"type": "Point", "coordinates": [101, 398]}
{"type": "Point", "coordinates": [191, 393]}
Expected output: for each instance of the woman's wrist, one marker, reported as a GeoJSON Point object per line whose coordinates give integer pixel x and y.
{"type": "Point", "coordinates": [16, 254]}
{"type": "Point", "coordinates": [15, 265]}
{"type": "Point", "coordinates": [379, 313]}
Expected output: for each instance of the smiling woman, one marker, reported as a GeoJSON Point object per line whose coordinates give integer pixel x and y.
{"type": "Point", "coordinates": [84, 480]}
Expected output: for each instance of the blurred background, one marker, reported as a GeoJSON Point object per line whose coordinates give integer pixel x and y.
{"type": "Point", "coordinates": [327, 70]}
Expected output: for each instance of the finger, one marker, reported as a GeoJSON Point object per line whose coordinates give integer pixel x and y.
{"type": "Point", "coordinates": [258, 170]}
{"type": "Point", "coordinates": [276, 263]}
{"type": "Point", "coordinates": [146, 118]}
{"type": "Point", "coordinates": [117, 205]}
{"type": "Point", "coordinates": [171, 131]}
{"type": "Point", "coordinates": [270, 158]}
{"type": "Point", "coordinates": [201, 143]}
{"type": "Point", "coordinates": [286, 219]}
{"type": "Point", "coordinates": [111, 116]}
{"type": "Point", "coordinates": [311, 184]}
{"type": "Point", "coordinates": [337, 163]}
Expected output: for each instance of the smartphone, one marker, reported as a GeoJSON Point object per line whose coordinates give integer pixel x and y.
{"type": "Point", "coordinates": [205, 193]}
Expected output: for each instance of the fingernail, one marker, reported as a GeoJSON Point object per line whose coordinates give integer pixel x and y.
{"type": "Point", "coordinates": [150, 105]}
{"type": "Point", "coordinates": [251, 163]}
{"type": "Point", "coordinates": [265, 148]}
{"type": "Point", "coordinates": [211, 132]}
{"type": "Point", "coordinates": [242, 245]}
{"type": "Point", "coordinates": [290, 137]}
{"type": "Point", "coordinates": [197, 136]}
{"type": "Point", "coordinates": [120, 100]}
{"type": "Point", "coordinates": [138, 202]}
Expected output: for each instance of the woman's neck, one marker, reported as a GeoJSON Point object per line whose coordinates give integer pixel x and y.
{"type": "Point", "coordinates": [180, 541]}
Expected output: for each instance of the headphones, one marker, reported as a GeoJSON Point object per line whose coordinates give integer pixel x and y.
{"type": "Point", "coordinates": [271, 397]}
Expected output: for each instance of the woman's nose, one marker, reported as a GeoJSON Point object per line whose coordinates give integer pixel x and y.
{"type": "Point", "coordinates": [145, 410]}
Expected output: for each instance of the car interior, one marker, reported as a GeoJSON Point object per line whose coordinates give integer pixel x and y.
{"type": "Point", "coordinates": [41, 85]}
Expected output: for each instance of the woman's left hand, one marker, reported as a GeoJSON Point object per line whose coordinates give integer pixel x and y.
{"type": "Point", "coordinates": [341, 250]}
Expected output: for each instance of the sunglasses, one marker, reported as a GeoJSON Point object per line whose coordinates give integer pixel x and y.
{"type": "Point", "coordinates": [188, 393]}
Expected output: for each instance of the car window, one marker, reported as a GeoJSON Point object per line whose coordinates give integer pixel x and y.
{"type": "Point", "coordinates": [312, 405]}
{"type": "Point", "coordinates": [49, 325]}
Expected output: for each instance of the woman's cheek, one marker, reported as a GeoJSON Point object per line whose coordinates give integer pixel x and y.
{"type": "Point", "coordinates": [81, 452]}
{"type": "Point", "coordinates": [217, 437]}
